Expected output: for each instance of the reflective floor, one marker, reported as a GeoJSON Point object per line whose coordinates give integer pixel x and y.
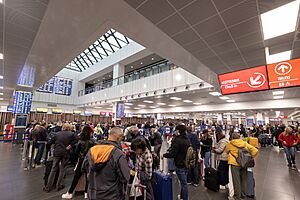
{"type": "Point", "coordinates": [273, 179]}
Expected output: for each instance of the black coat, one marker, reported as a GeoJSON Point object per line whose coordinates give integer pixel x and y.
{"type": "Point", "coordinates": [61, 140]}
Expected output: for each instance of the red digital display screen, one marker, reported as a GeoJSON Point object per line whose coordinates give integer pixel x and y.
{"type": "Point", "coordinates": [248, 80]}
{"type": "Point", "coordinates": [284, 74]}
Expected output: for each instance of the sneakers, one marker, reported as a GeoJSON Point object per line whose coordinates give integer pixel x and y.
{"type": "Point", "coordinates": [85, 195]}
{"type": "Point", "coordinates": [222, 187]}
{"type": "Point", "coordinates": [195, 185]}
{"type": "Point", "coordinates": [294, 167]}
{"type": "Point", "coordinates": [189, 183]}
{"type": "Point", "coordinates": [67, 196]}
{"type": "Point", "coordinates": [179, 197]}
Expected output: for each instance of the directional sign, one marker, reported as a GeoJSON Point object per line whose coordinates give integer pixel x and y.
{"type": "Point", "coordinates": [248, 80]}
{"type": "Point", "coordinates": [284, 74]}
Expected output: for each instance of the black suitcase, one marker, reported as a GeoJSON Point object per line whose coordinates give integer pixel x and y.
{"type": "Point", "coordinates": [211, 179]}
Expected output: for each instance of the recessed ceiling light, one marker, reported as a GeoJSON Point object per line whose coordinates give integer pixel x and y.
{"type": "Point", "coordinates": [231, 101]}
{"type": "Point", "coordinates": [215, 93]}
{"type": "Point", "coordinates": [146, 101]}
{"type": "Point", "coordinates": [98, 80]}
{"type": "Point", "coordinates": [1, 54]}
{"type": "Point", "coordinates": [187, 101]}
{"type": "Point", "coordinates": [178, 77]}
{"type": "Point", "coordinates": [105, 94]}
{"type": "Point", "coordinates": [277, 97]}
{"type": "Point", "coordinates": [127, 107]}
{"type": "Point", "coordinates": [129, 104]}
{"type": "Point", "coordinates": [152, 58]}
{"type": "Point", "coordinates": [172, 105]}
{"type": "Point", "coordinates": [280, 21]}
{"type": "Point", "coordinates": [137, 108]}
{"type": "Point", "coordinates": [278, 57]}
{"type": "Point", "coordinates": [197, 103]}
{"type": "Point", "coordinates": [103, 77]}
{"type": "Point", "coordinates": [98, 107]}
{"type": "Point", "coordinates": [1, 87]}
{"type": "Point", "coordinates": [145, 86]}
{"type": "Point", "coordinates": [109, 75]}
{"type": "Point", "coordinates": [281, 92]}
{"type": "Point", "coordinates": [122, 91]}
{"type": "Point", "coordinates": [1, 93]}
{"type": "Point", "coordinates": [162, 104]}
{"type": "Point", "coordinates": [152, 107]}
{"type": "Point", "coordinates": [141, 63]}
{"type": "Point", "coordinates": [131, 67]}
{"type": "Point", "coordinates": [1, 77]}
{"type": "Point", "coordinates": [1, 99]}
{"type": "Point", "coordinates": [175, 98]}
{"type": "Point", "coordinates": [142, 105]}
{"type": "Point", "coordinates": [224, 98]}
{"type": "Point", "coordinates": [94, 81]}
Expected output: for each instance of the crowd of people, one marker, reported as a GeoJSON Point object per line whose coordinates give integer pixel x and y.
{"type": "Point", "coordinates": [110, 157]}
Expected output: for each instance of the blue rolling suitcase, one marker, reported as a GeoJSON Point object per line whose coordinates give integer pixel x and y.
{"type": "Point", "coordinates": [162, 186]}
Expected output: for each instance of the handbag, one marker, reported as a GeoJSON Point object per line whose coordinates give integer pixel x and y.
{"type": "Point", "coordinates": [136, 189]}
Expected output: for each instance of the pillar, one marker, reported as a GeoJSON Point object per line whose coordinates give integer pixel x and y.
{"type": "Point", "coordinates": [118, 72]}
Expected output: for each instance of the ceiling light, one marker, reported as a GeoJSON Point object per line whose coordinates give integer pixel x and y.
{"type": "Point", "coordinates": [197, 103]}
{"type": "Point", "coordinates": [152, 58]}
{"type": "Point", "coordinates": [128, 104]}
{"type": "Point", "coordinates": [98, 80]}
{"type": "Point", "coordinates": [178, 77]}
{"type": "Point", "coordinates": [162, 104]}
{"type": "Point", "coordinates": [131, 67]}
{"type": "Point", "coordinates": [122, 91]}
{"type": "Point", "coordinates": [277, 97]}
{"type": "Point", "coordinates": [280, 21]}
{"type": "Point", "coordinates": [215, 93]}
{"type": "Point", "coordinates": [141, 63]}
{"type": "Point", "coordinates": [172, 105]}
{"type": "Point", "coordinates": [152, 107]}
{"type": "Point", "coordinates": [1, 87]}
{"type": "Point", "coordinates": [278, 92]}
{"type": "Point", "coordinates": [94, 81]}
{"type": "Point", "coordinates": [127, 107]}
{"type": "Point", "coordinates": [142, 105]}
{"type": "Point", "coordinates": [278, 57]}
{"type": "Point", "coordinates": [105, 94]}
{"type": "Point", "coordinates": [1, 99]}
{"type": "Point", "coordinates": [145, 86]}
{"type": "Point", "coordinates": [98, 107]}
{"type": "Point", "coordinates": [1, 93]}
{"type": "Point", "coordinates": [103, 77]}
{"type": "Point", "coordinates": [187, 101]}
{"type": "Point", "coordinates": [146, 101]}
{"type": "Point", "coordinates": [231, 101]}
{"type": "Point", "coordinates": [1, 54]}
{"type": "Point", "coordinates": [175, 98]}
{"type": "Point", "coordinates": [1, 77]}
{"type": "Point", "coordinates": [224, 98]}
{"type": "Point", "coordinates": [109, 76]}
{"type": "Point", "coordinates": [137, 108]}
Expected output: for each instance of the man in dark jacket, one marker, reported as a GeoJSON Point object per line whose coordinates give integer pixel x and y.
{"type": "Point", "coordinates": [40, 138]}
{"type": "Point", "coordinates": [63, 142]}
{"type": "Point", "coordinates": [178, 151]}
{"type": "Point", "coordinates": [155, 139]}
{"type": "Point", "coordinates": [193, 174]}
{"type": "Point", "coordinates": [108, 171]}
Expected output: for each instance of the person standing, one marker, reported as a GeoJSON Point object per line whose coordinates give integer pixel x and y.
{"type": "Point", "coordinates": [239, 174]}
{"type": "Point", "coordinates": [178, 151]}
{"type": "Point", "coordinates": [83, 146]}
{"type": "Point", "coordinates": [40, 138]}
{"type": "Point", "coordinates": [155, 139]}
{"type": "Point", "coordinates": [62, 141]}
{"type": "Point", "coordinates": [206, 146]}
{"type": "Point", "coordinates": [193, 173]}
{"type": "Point", "coordinates": [222, 157]}
{"type": "Point", "coordinates": [107, 168]}
{"type": "Point", "coordinates": [289, 141]}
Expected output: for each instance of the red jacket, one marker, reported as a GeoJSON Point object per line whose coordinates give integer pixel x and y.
{"type": "Point", "coordinates": [289, 139]}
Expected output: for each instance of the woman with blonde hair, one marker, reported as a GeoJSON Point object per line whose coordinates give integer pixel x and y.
{"type": "Point", "coordinates": [289, 141]}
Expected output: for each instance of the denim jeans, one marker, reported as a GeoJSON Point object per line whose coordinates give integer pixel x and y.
{"type": "Point", "coordinates": [40, 152]}
{"type": "Point", "coordinates": [182, 176]}
{"type": "Point", "coordinates": [207, 157]}
{"type": "Point", "coordinates": [193, 174]}
{"type": "Point", "coordinates": [290, 155]}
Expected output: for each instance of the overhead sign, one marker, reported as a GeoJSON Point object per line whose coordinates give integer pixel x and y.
{"type": "Point", "coordinates": [248, 80]}
{"type": "Point", "coordinates": [284, 74]}
{"type": "Point", "coordinates": [22, 102]}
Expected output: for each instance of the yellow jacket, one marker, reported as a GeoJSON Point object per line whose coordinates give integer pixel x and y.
{"type": "Point", "coordinates": [232, 150]}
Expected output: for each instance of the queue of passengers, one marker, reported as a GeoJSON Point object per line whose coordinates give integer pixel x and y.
{"type": "Point", "coordinates": [104, 160]}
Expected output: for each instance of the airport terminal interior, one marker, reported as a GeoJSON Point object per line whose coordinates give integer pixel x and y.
{"type": "Point", "coordinates": [149, 99]}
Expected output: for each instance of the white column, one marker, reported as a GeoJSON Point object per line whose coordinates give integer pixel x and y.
{"type": "Point", "coordinates": [114, 109]}
{"type": "Point", "coordinates": [118, 70]}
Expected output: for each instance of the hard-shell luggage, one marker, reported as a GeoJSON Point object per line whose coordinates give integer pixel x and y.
{"type": "Point", "coordinates": [250, 183]}
{"type": "Point", "coordinates": [211, 179]}
{"type": "Point", "coordinates": [162, 186]}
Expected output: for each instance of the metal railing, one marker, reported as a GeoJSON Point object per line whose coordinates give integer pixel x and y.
{"type": "Point", "coordinates": [150, 70]}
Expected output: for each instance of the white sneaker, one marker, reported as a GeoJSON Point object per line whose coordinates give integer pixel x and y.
{"type": "Point", "coordinates": [67, 196]}
{"type": "Point", "coordinates": [178, 197]}
{"type": "Point", "coordinates": [222, 187]}
{"type": "Point", "coordinates": [85, 195]}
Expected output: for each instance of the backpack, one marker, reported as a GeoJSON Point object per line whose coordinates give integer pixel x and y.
{"type": "Point", "coordinates": [244, 159]}
{"type": "Point", "coordinates": [190, 158]}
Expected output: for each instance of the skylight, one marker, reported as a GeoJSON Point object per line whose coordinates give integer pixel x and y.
{"type": "Point", "coordinates": [280, 21]}
{"type": "Point", "coordinates": [107, 44]}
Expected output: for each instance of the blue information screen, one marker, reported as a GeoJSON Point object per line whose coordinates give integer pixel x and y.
{"type": "Point", "coordinates": [22, 102]}
{"type": "Point", "coordinates": [57, 85]}
{"type": "Point", "coordinates": [120, 112]}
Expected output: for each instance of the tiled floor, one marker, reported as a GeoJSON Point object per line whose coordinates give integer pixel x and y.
{"type": "Point", "coordinates": [273, 179]}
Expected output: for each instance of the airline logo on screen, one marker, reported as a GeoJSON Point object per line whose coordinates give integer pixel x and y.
{"type": "Point", "coordinates": [284, 74]}
{"type": "Point", "coordinates": [248, 80]}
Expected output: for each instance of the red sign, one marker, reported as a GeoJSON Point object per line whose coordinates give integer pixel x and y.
{"type": "Point", "coordinates": [248, 80]}
{"type": "Point", "coordinates": [103, 113]}
{"type": "Point", "coordinates": [284, 74]}
{"type": "Point", "coordinates": [282, 117]}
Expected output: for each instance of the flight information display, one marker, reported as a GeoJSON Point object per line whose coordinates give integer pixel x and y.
{"type": "Point", "coordinates": [22, 102]}
{"type": "Point", "coordinates": [57, 85]}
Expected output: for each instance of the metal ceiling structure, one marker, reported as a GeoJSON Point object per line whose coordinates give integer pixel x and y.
{"type": "Point", "coordinates": [107, 44]}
